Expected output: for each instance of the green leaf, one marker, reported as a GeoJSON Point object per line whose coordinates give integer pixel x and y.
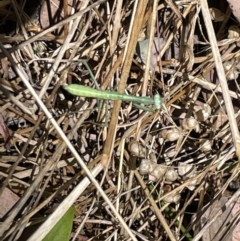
{"type": "Point", "coordinates": [62, 230]}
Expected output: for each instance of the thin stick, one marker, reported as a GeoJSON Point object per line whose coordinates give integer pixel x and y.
{"type": "Point", "coordinates": [221, 76]}
{"type": "Point", "coordinates": [128, 56]}
{"type": "Point", "coordinates": [116, 26]}
{"type": "Point", "coordinates": [150, 47]}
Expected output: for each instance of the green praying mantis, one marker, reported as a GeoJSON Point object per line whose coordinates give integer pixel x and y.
{"type": "Point", "coordinates": [86, 91]}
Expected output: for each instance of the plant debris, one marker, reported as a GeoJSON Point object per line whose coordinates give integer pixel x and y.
{"type": "Point", "coordinates": [131, 173]}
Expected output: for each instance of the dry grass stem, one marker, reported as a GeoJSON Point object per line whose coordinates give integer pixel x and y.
{"type": "Point", "coordinates": [130, 172]}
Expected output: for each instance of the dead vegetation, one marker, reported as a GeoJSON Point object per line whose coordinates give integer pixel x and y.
{"type": "Point", "coordinates": [130, 174]}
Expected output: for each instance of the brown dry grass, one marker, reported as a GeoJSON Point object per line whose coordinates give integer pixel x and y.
{"type": "Point", "coordinates": [57, 139]}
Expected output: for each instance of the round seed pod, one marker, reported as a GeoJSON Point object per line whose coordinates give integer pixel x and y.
{"type": "Point", "coordinates": [171, 175]}
{"type": "Point", "coordinates": [192, 185]}
{"type": "Point", "coordinates": [216, 15]}
{"type": "Point", "coordinates": [186, 170]}
{"type": "Point", "coordinates": [173, 198]}
{"type": "Point", "coordinates": [136, 149]}
{"type": "Point", "coordinates": [157, 173]}
{"type": "Point", "coordinates": [206, 146]}
{"type": "Point", "coordinates": [230, 70]}
{"type": "Point", "coordinates": [233, 32]}
{"type": "Point", "coordinates": [204, 113]}
{"type": "Point", "coordinates": [189, 123]}
{"type": "Point", "coordinates": [152, 157]}
{"type": "Point", "coordinates": [170, 152]}
{"type": "Point", "coordinates": [171, 134]}
{"type": "Point", "coordinates": [144, 167]}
